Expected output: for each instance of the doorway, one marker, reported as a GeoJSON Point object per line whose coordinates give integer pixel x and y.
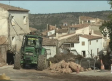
{"type": "Point", "coordinates": [84, 53]}
{"type": "Point", "coordinates": [10, 58]}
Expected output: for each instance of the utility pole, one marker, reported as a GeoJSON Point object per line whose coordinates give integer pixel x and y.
{"type": "Point", "coordinates": [9, 40]}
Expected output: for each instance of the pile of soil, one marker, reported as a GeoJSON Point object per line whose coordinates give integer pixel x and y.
{"type": "Point", "coordinates": [66, 57]}
{"type": "Point", "coordinates": [65, 67]}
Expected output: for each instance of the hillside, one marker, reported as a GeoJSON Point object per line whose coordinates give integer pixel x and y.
{"type": "Point", "coordinates": [40, 21]}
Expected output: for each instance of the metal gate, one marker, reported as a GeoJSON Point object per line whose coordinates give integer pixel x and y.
{"type": "Point", "coordinates": [87, 63]}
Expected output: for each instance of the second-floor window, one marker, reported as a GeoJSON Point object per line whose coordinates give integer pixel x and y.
{"type": "Point", "coordinates": [83, 43]}
{"type": "Point", "coordinates": [12, 21]}
{"type": "Point", "coordinates": [24, 20]}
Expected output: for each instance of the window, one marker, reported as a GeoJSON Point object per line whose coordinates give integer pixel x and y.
{"type": "Point", "coordinates": [97, 51]}
{"type": "Point", "coordinates": [97, 40]}
{"type": "Point", "coordinates": [12, 38]}
{"type": "Point", "coordinates": [12, 21]}
{"type": "Point", "coordinates": [83, 43]}
{"type": "Point", "coordinates": [90, 42]}
{"type": "Point", "coordinates": [72, 45]}
{"type": "Point", "coordinates": [24, 20]}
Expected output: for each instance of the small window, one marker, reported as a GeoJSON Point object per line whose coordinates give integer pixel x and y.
{"type": "Point", "coordinates": [24, 20]}
{"type": "Point", "coordinates": [97, 40]}
{"type": "Point", "coordinates": [12, 38]}
{"type": "Point", "coordinates": [83, 43]}
{"type": "Point", "coordinates": [90, 42]}
{"type": "Point", "coordinates": [12, 21]}
{"type": "Point", "coordinates": [72, 45]}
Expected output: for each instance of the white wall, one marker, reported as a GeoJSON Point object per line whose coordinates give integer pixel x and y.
{"type": "Point", "coordinates": [3, 22]}
{"type": "Point", "coordinates": [83, 30]}
{"type": "Point", "coordinates": [94, 45]}
{"type": "Point", "coordinates": [51, 32]}
{"type": "Point", "coordinates": [79, 48]}
{"type": "Point", "coordinates": [18, 17]}
{"type": "Point", "coordinates": [53, 51]}
{"type": "Point", "coordinates": [17, 41]}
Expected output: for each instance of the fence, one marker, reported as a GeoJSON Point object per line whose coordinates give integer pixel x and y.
{"type": "Point", "coordinates": [87, 62]}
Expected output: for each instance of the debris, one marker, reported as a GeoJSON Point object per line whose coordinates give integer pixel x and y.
{"type": "Point", "coordinates": [65, 67]}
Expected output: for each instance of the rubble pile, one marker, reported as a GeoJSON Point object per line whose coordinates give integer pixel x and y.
{"type": "Point", "coordinates": [65, 67]}
{"type": "Point", "coordinates": [67, 57]}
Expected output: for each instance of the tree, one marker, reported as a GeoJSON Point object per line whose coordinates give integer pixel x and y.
{"type": "Point", "coordinates": [108, 25]}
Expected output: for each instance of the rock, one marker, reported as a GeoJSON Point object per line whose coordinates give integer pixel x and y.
{"type": "Point", "coordinates": [73, 66]}
{"type": "Point", "coordinates": [68, 70]}
{"type": "Point", "coordinates": [89, 69]}
{"type": "Point", "coordinates": [81, 69]}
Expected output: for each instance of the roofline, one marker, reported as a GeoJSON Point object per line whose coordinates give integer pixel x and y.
{"type": "Point", "coordinates": [20, 10]}
{"type": "Point", "coordinates": [48, 45]}
{"type": "Point", "coordinates": [95, 38]}
{"type": "Point", "coordinates": [91, 39]}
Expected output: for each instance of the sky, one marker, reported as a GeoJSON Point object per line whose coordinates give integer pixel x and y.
{"type": "Point", "coordinates": [44, 7]}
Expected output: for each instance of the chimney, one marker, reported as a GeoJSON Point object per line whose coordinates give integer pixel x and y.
{"type": "Point", "coordinates": [47, 26]}
{"type": "Point", "coordinates": [55, 25]}
{"type": "Point", "coordinates": [56, 35]}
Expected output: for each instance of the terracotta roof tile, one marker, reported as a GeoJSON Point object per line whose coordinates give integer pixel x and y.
{"type": "Point", "coordinates": [73, 39]}
{"type": "Point", "coordinates": [12, 8]}
{"type": "Point", "coordinates": [91, 37]}
{"type": "Point", "coordinates": [32, 29]}
{"type": "Point", "coordinates": [85, 17]}
{"type": "Point", "coordinates": [49, 42]}
{"type": "Point", "coordinates": [62, 31]}
{"type": "Point", "coordinates": [98, 32]}
{"type": "Point", "coordinates": [80, 26]}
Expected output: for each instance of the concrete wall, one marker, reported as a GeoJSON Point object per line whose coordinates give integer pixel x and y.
{"type": "Point", "coordinates": [52, 50]}
{"type": "Point", "coordinates": [94, 45]}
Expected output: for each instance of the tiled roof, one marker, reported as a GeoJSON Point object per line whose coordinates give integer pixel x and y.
{"type": "Point", "coordinates": [3, 40]}
{"type": "Point", "coordinates": [51, 27]}
{"type": "Point", "coordinates": [49, 42]}
{"type": "Point", "coordinates": [91, 37]}
{"type": "Point", "coordinates": [32, 29]}
{"type": "Point", "coordinates": [62, 31]}
{"type": "Point", "coordinates": [65, 27]}
{"type": "Point", "coordinates": [97, 32]}
{"type": "Point", "coordinates": [85, 17]}
{"type": "Point", "coordinates": [80, 26]}
{"type": "Point", "coordinates": [73, 39]}
{"type": "Point", "coordinates": [12, 8]}
{"type": "Point", "coordinates": [53, 35]}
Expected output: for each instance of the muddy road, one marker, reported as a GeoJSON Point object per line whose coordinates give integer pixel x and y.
{"type": "Point", "coordinates": [33, 75]}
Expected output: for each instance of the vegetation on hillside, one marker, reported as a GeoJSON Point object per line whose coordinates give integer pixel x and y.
{"type": "Point", "coordinates": [40, 21]}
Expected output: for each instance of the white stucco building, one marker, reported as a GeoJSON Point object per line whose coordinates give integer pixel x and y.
{"type": "Point", "coordinates": [88, 45]}
{"type": "Point", "coordinates": [14, 23]}
{"type": "Point", "coordinates": [80, 29]}
{"type": "Point", "coordinates": [50, 46]}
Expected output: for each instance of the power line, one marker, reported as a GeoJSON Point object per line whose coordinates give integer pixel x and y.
{"type": "Point", "coordinates": [19, 26]}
